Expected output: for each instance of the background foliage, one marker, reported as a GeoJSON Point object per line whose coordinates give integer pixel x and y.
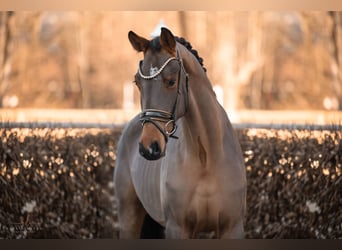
{"type": "Point", "coordinates": [57, 183]}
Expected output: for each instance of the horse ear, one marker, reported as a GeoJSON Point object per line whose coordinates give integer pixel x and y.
{"type": "Point", "coordinates": [167, 40]}
{"type": "Point", "coordinates": [139, 43]}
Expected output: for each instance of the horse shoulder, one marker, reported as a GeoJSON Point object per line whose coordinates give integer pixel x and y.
{"type": "Point", "coordinates": [133, 172]}
{"type": "Point", "coordinates": [122, 173]}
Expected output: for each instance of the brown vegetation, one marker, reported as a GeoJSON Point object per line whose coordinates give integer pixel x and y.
{"type": "Point", "coordinates": [57, 183]}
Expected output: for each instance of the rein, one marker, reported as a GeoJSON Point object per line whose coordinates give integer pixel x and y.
{"type": "Point", "coordinates": [155, 115]}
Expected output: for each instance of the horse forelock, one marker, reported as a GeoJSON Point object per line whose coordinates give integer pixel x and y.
{"type": "Point", "coordinates": [155, 46]}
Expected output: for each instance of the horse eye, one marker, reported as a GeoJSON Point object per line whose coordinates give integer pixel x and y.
{"type": "Point", "coordinates": [170, 83]}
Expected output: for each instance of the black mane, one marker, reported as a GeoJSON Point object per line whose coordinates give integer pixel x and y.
{"type": "Point", "coordinates": [187, 45]}
{"type": "Point", "coordinates": [155, 46]}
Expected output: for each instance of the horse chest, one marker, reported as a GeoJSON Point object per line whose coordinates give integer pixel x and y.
{"type": "Point", "coordinates": [194, 201]}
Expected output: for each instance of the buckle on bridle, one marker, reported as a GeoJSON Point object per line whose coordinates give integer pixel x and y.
{"type": "Point", "coordinates": [173, 129]}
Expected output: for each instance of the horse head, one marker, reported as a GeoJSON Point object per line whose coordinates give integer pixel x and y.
{"type": "Point", "coordinates": [162, 82]}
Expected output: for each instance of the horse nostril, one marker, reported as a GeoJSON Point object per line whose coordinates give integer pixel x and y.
{"type": "Point", "coordinates": [153, 152]}
{"type": "Point", "coordinates": [155, 148]}
{"type": "Point", "coordinates": [142, 149]}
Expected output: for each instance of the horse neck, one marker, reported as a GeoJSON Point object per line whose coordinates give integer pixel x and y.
{"type": "Point", "coordinates": [203, 121]}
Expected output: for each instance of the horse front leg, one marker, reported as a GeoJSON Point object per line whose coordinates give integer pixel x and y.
{"type": "Point", "coordinates": [235, 232]}
{"type": "Point", "coordinates": [131, 216]}
{"type": "Point", "coordinates": [131, 213]}
{"type": "Point", "coordinates": [175, 231]}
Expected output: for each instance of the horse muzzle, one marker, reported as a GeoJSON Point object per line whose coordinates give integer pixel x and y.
{"type": "Point", "coordinates": [152, 152]}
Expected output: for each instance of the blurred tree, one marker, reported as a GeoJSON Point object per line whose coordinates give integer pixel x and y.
{"type": "Point", "coordinates": [83, 63]}
{"type": "Point", "coordinates": [5, 64]}
{"type": "Point", "coordinates": [262, 60]}
{"type": "Point", "coordinates": [252, 69]}
{"type": "Point", "coordinates": [336, 38]}
{"type": "Point", "coordinates": [183, 24]}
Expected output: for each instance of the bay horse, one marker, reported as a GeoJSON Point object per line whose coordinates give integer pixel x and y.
{"type": "Point", "coordinates": [179, 164]}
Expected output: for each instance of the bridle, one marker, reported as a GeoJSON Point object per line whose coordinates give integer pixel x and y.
{"type": "Point", "coordinates": [155, 115]}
